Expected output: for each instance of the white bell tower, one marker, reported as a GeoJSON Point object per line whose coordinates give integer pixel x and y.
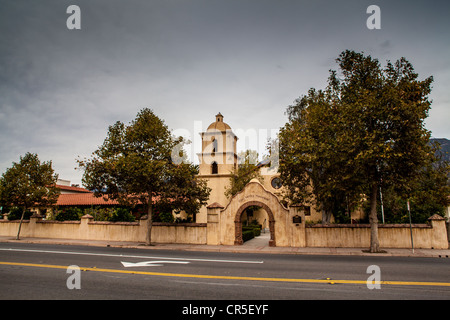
{"type": "Point", "coordinates": [217, 160]}
{"type": "Point", "coordinates": [218, 156]}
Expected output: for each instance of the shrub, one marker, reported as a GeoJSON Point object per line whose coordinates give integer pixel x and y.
{"type": "Point", "coordinates": [68, 214]}
{"type": "Point", "coordinates": [247, 235]}
{"type": "Point", "coordinates": [256, 229]}
{"type": "Point", "coordinates": [122, 214]}
{"type": "Point", "coordinates": [100, 214]}
{"type": "Point", "coordinates": [166, 217]}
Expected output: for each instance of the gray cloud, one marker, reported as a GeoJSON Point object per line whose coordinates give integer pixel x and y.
{"type": "Point", "coordinates": [188, 60]}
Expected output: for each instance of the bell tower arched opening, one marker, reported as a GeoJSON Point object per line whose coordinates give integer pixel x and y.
{"type": "Point", "coordinates": [214, 168]}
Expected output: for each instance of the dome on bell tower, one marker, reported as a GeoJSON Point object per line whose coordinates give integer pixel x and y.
{"type": "Point", "coordinates": [219, 124]}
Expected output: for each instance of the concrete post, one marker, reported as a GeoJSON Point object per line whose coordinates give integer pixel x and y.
{"type": "Point", "coordinates": [297, 223]}
{"type": "Point", "coordinates": [31, 232]}
{"type": "Point", "coordinates": [213, 224]}
{"type": "Point", "coordinates": [84, 226]}
{"type": "Point", "coordinates": [439, 238]}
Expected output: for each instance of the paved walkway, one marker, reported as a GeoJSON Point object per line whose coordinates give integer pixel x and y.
{"type": "Point", "coordinates": [257, 245]}
{"type": "Point", "coordinates": [259, 242]}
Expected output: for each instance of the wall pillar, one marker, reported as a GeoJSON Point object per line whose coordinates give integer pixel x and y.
{"type": "Point", "coordinates": [31, 232]}
{"type": "Point", "coordinates": [439, 238]}
{"type": "Point", "coordinates": [84, 226]}
{"type": "Point", "coordinates": [213, 224]}
{"type": "Point", "coordinates": [297, 225]}
{"type": "Point", "coordinates": [35, 218]}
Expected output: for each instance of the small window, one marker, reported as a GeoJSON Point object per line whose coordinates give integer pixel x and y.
{"type": "Point", "coordinates": [214, 168]}
{"type": "Point", "coordinates": [214, 143]}
{"type": "Point", "coordinates": [307, 210]}
{"type": "Point", "coordinates": [276, 183]}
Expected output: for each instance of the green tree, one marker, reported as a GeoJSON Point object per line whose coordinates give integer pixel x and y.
{"type": "Point", "coordinates": [134, 165]}
{"type": "Point", "coordinates": [312, 162]}
{"type": "Point", "coordinates": [428, 196]}
{"type": "Point", "coordinates": [246, 170]}
{"type": "Point", "coordinates": [27, 184]}
{"type": "Point", "coordinates": [367, 126]}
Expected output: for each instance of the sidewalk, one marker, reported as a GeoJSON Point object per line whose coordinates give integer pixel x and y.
{"type": "Point", "coordinates": [256, 245]}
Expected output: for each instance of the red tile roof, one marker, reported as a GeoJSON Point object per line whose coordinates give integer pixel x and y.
{"type": "Point", "coordinates": [83, 199]}
{"type": "Point", "coordinates": [73, 189]}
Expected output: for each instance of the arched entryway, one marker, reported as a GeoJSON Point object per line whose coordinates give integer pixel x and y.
{"type": "Point", "coordinates": [225, 224]}
{"type": "Point", "coordinates": [238, 222]}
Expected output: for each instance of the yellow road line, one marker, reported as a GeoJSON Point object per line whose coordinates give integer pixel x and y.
{"type": "Point", "coordinates": [201, 276]}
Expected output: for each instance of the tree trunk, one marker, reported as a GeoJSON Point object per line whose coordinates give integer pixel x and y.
{"type": "Point", "coordinates": [374, 243]}
{"type": "Point", "coordinates": [326, 216]}
{"type": "Point", "coordinates": [20, 224]}
{"type": "Point", "coordinates": [148, 239]}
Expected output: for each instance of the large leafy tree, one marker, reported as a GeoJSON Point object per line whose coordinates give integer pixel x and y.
{"type": "Point", "coordinates": [312, 166]}
{"type": "Point", "coordinates": [367, 126]}
{"type": "Point", "coordinates": [134, 166]}
{"type": "Point", "coordinates": [29, 183]}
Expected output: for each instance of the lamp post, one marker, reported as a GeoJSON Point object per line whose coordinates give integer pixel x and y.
{"type": "Point", "coordinates": [410, 225]}
{"type": "Point", "coordinates": [382, 208]}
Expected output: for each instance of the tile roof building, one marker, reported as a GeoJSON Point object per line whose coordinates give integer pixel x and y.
{"type": "Point", "coordinates": [76, 196]}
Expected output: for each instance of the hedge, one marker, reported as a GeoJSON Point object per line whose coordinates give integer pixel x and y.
{"type": "Point", "coordinates": [249, 232]}
{"type": "Point", "coordinates": [255, 229]}
{"type": "Point", "coordinates": [247, 235]}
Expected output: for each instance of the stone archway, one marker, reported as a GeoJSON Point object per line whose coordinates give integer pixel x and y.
{"type": "Point", "coordinates": [238, 222]}
{"type": "Point", "coordinates": [225, 224]}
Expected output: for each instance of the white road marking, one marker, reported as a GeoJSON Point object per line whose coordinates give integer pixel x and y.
{"type": "Point", "coordinates": [149, 263]}
{"type": "Point", "coordinates": [130, 256]}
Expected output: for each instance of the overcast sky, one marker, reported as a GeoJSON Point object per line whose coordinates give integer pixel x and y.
{"type": "Point", "coordinates": [187, 60]}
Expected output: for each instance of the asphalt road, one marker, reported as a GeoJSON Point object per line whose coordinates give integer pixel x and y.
{"type": "Point", "coordinates": [36, 271]}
